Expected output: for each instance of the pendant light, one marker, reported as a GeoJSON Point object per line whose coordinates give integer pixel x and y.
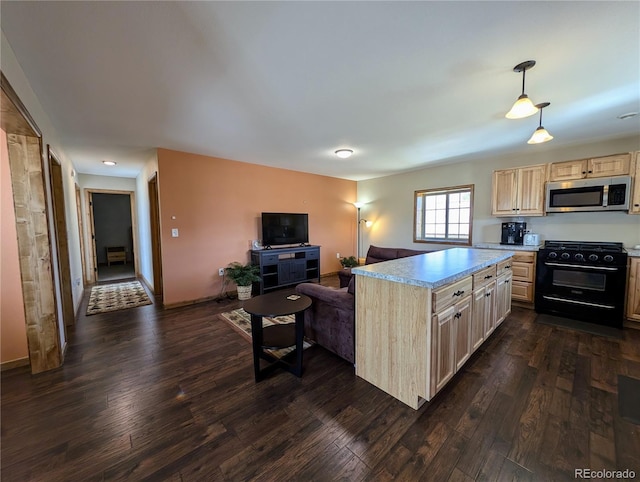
{"type": "Point", "coordinates": [523, 107]}
{"type": "Point", "coordinates": [540, 135]}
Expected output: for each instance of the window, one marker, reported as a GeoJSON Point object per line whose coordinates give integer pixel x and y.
{"type": "Point", "coordinates": [444, 215]}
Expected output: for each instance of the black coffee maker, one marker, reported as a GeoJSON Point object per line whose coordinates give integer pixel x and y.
{"type": "Point", "coordinates": [513, 233]}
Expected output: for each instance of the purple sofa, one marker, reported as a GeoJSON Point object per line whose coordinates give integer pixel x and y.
{"type": "Point", "coordinates": [330, 321]}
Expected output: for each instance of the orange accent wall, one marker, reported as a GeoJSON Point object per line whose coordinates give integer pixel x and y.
{"type": "Point", "coordinates": [217, 204]}
{"type": "Point", "coordinates": [12, 320]}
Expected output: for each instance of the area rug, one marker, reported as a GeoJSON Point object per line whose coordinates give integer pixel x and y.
{"type": "Point", "coordinates": [117, 296]}
{"type": "Point", "coordinates": [240, 321]}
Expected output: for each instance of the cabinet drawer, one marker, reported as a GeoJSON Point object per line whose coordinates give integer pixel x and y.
{"type": "Point", "coordinates": [522, 291]}
{"type": "Point", "coordinates": [452, 293]}
{"type": "Point", "coordinates": [525, 256]}
{"type": "Point", "coordinates": [504, 266]}
{"type": "Point", "coordinates": [313, 254]}
{"type": "Point", "coordinates": [270, 259]}
{"type": "Point", "coordinates": [522, 271]}
{"type": "Point", "coordinates": [484, 277]}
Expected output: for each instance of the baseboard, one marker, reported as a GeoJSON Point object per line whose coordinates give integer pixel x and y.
{"type": "Point", "coordinates": [20, 362]}
{"type": "Point", "coordinates": [180, 304]}
{"type": "Point", "coordinates": [146, 283]}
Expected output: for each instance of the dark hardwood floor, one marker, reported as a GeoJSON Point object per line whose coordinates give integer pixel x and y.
{"type": "Point", "coordinates": [151, 394]}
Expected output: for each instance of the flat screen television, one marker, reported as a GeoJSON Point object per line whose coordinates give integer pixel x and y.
{"type": "Point", "coordinates": [284, 228]}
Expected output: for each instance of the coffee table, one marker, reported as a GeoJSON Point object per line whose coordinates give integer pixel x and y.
{"type": "Point", "coordinates": [277, 303]}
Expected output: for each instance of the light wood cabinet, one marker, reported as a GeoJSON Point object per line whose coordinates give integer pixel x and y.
{"type": "Point", "coordinates": [451, 346]}
{"type": "Point", "coordinates": [633, 290]}
{"type": "Point", "coordinates": [524, 272]}
{"type": "Point", "coordinates": [503, 298]}
{"type": "Point", "coordinates": [635, 197]}
{"type": "Point", "coordinates": [410, 340]}
{"type": "Point", "coordinates": [616, 165]}
{"type": "Point", "coordinates": [519, 192]}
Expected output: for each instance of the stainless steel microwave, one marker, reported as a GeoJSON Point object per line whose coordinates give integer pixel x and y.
{"type": "Point", "coordinates": [597, 194]}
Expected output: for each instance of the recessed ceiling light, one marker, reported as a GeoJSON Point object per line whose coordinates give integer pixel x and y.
{"type": "Point", "coordinates": [628, 115]}
{"type": "Point", "coordinates": [344, 153]}
{"type": "Point", "coordinates": [109, 163]}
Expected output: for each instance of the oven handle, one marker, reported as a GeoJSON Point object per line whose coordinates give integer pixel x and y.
{"type": "Point", "coordinates": [564, 300]}
{"type": "Point", "coordinates": [578, 266]}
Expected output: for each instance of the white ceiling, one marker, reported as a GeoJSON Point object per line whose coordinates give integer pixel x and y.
{"type": "Point", "coordinates": [284, 84]}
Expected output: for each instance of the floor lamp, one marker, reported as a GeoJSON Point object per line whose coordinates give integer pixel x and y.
{"type": "Point", "coordinates": [358, 205]}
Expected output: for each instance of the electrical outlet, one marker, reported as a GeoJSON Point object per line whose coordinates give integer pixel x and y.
{"type": "Point", "coordinates": [220, 271]}
{"type": "Point", "coordinates": [338, 255]}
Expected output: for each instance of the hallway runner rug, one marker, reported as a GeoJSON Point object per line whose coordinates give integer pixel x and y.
{"type": "Point", "coordinates": [240, 321]}
{"type": "Point", "coordinates": [117, 296]}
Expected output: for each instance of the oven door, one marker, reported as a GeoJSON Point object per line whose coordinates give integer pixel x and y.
{"type": "Point", "coordinates": [590, 293]}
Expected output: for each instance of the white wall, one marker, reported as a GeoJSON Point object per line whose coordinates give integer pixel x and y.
{"type": "Point", "coordinates": [390, 200]}
{"type": "Point", "coordinates": [16, 77]}
{"type": "Point", "coordinates": [144, 223]}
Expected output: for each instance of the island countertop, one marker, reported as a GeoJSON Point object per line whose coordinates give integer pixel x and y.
{"type": "Point", "coordinates": [435, 269]}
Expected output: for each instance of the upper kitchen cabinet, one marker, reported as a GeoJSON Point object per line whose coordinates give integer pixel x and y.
{"type": "Point", "coordinates": [635, 198]}
{"type": "Point", "coordinates": [519, 192]}
{"type": "Point", "coordinates": [616, 165]}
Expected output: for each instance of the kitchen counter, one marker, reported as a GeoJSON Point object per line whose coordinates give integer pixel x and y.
{"type": "Point", "coordinates": [633, 253]}
{"type": "Point", "coordinates": [510, 247]}
{"type": "Point", "coordinates": [435, 269]}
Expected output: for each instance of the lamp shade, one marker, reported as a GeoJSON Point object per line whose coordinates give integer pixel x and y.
{"type": "Point", "coordinates": [523, 107]}
{"type": "Point", "coordinates": [539, 136]}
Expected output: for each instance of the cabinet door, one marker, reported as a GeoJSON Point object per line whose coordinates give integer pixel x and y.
{"type": "Point", "coordinates": [635, 198]}
{"type": "Point", "coordinates": [504, 194]}
{"type": "Point", "coordinates": [531, 190]}
{"type": "Point", "coordinates": [442, 348]}
{"type": "Point", "coordinates": [462, 331]}
{"type": "Point", "coordinates": [478, 317]}
{"type": "Point", "coordinates": [566, 171]}
{"type": "Point", "coordinates": [617, 165]}
{"type": "Point", "coordinates": [489, 309]}
{"type": "Point", "coordinates": [633, 297]}
{"type": "Point", "coordinates": [503, 298]}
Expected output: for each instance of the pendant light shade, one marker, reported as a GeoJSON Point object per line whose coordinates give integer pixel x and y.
{"type": "Point", "coordinates": [540, 135]}
{"type": "Point", "coordinates": [523, 107]}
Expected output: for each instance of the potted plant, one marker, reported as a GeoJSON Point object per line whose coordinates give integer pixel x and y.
{"type": "Point", "coordinates": [243, 275]}
{"type": "Point", "coordinates": [349, 262]}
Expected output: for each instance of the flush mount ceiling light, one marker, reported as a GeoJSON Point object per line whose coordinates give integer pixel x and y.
{"type": "Point", "coordinates": [523, 107]}
{"type": "Point", "coordinates": [344, 153]}
{"type": "Point", "coordinates": [109, 163]}
{"type": "Point", "coordinates": [628, 115]}
{"type": "Point", "coordinates": [540, 135]}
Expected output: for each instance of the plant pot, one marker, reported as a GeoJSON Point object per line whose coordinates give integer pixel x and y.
{"type": "Point", "coordinates": [244, 292]}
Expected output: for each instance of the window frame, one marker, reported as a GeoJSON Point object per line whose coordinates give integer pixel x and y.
{"type": "Point", "coordinates": [422, 193]}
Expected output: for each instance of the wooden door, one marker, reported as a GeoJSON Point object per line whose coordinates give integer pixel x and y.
{"type": "Point", "coordinates": [442, 349]}
{"type": "Point", "coordinates": [61, 238]}
{"type": "Point", "coordinates": [478, 317]}
{"type": "Point", "coordinates": [490, 309]}
{"type": "Point", "coordinates": [567, 171]}
{"type": "Point", "coordinates": [81, 233]}
{"type": "Point", "coordinates": [93, 255]}
{"type": "Point", "coordinates": [156, 249]}
{"type": "Point", "coordinates": [633, 298]}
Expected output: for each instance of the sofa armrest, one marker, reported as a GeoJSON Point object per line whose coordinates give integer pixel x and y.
{"type": "Point", "coordinates": [333, 296]}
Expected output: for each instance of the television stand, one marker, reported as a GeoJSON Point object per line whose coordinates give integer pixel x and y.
{"type": "Point", "coordinates": [282, 267]}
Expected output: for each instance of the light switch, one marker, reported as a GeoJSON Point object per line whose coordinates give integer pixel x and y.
{"type": "Point", "coordinates": [174, 233]}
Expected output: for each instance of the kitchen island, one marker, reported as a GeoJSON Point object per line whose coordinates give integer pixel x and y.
{"type": "Point", "coordinates": [419, 319]}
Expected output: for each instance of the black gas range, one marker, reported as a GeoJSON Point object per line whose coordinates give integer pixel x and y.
{"type": "Point", "coordinates": [582, 280]}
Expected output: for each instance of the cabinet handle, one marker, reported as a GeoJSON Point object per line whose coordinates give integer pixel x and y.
{"type": "Point", "coordinates": [458, 293]}
{"type": "Point", "coordinates": [488, 294]}
{"type": "Point", "coordinates": [488, 276]}
{"type": "Point", "coordinates": [636, 205]}
{"type": "Point", "coordinates": [507, 266]}
{"type": "Point", "coordinates": [590, 172]}
{"type": "Point", "coordinates": [457, 315]}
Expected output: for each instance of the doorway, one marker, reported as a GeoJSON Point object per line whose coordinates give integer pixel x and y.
{"type": "Point", "coordinates": [113, 236]}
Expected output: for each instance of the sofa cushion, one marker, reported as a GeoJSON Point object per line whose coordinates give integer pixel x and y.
{"type": "Point", "coordinates": [351, 287]}
{"type": "Point", "coordinates": [405, 253]}
{"type": "Point", "coordinates": [377, 254]}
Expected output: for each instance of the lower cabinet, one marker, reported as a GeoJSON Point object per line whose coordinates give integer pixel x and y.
{"type": "Point", "coordinates": [524, 269]}
{"type": "Point", "coordinates": [633, 293]}
{"type": "Point", "coordinates": [452, 331]}
{"type": "Point", "coordinates": [503, 297]}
